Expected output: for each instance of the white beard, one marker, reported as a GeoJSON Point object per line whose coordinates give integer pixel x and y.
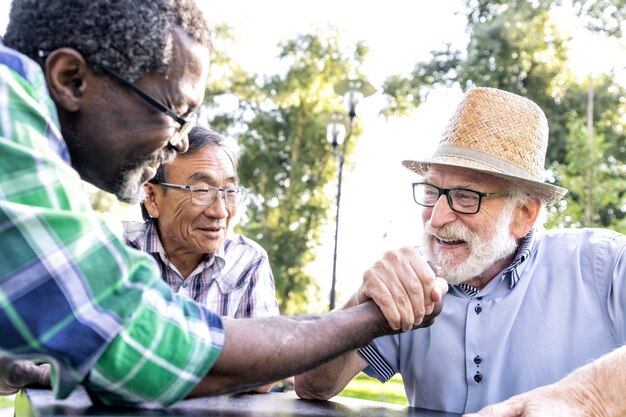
{"type": "Point", "coordinates": [483, 252]}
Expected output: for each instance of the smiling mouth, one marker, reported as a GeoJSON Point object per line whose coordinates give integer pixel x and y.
{"type": "Point", "coordinates": [446, 241]}
{"type": "Point", "coordinates": [215, 229]}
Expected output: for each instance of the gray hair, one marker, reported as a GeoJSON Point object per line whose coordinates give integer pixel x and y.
{"type": "Point", "coordinates": [199, 138]}
{"type": "Point", "coordinates": [130, 37]}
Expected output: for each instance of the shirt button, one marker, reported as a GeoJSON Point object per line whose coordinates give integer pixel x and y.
{"type": "Point", "coordinates": [184, 285]}
{"type": "Point", "coordinates": [478, 378]}
{"type": "Point", "coordinates": [477, 360]}
{"type": "Point", "coordinates": [478, 309]}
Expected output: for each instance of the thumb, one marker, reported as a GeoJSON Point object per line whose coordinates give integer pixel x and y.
{"type": "Point", "coordinates": [440, 289]}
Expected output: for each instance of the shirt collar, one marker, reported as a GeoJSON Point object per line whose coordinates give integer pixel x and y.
{"type": "Point", "coordinates": [512, 271]}
{"type": "Point", "coordinates": [522, 254]}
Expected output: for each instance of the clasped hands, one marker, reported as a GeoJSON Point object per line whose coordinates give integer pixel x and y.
{"type": "Point", "coordinates": [405, 288]}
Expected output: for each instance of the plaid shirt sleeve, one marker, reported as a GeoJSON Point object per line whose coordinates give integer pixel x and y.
{"type": "Point", "coordinates": [71, 292]}
{"type": "Point", "coordinates": [259, 298]}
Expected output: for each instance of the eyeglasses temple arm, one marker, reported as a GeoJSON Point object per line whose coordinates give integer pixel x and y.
{"type": "Point", "coordinates": [156, 103]}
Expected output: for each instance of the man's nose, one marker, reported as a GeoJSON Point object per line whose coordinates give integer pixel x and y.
{"type": "Point", "coordinates": [217, 208]}
{"type": "Point", "coordinates": [442, 213]}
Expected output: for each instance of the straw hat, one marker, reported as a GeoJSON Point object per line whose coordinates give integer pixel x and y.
{"type": "Point", "coordinates": [499, 133]}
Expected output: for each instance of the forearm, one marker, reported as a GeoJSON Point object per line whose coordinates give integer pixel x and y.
{"type": "Point", "coordinates": [602, 384]}
{"type": "Point", "coordinates": [326, 381]}
{"type": "Point", "coordinates": [257, 351]}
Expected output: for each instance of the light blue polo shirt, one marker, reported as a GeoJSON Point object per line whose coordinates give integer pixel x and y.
{"type": "Point", "coordinates": [560, 305]}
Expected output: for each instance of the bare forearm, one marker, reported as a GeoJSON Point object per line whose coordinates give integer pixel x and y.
{"type": "Point", "coordinates": [257, 351]}
{"type": "Point", "coordinates": [326, 381]}
{"type": "Point", "coordinates": [603, 383]}
{"type": "Point", "coordinates": [594, 390]}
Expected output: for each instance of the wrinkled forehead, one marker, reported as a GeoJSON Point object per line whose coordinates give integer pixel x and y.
{"type": "Point", "coordinates": [210, 161]}
{"type": "Point", "coordinates": [461, 177]}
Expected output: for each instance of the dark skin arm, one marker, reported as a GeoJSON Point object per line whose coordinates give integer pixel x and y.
{"type": "Point", "coordinates": [257, 351]}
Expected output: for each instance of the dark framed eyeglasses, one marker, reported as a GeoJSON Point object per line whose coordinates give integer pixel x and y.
{"type": "Point", "coordinates": [461, 200]}
{"type": "Point", "coordinates": [205, 195]}
{"type": "Point", "coordinates": [186, 123]}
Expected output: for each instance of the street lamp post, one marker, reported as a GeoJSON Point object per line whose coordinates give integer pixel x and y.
{"type": "Point", "coordinates": [353, 90]}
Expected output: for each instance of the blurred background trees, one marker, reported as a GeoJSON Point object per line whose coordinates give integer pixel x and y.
{"type": "Point", "coordinates": [278, 121]}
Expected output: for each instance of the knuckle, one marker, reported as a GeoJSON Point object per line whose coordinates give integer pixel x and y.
{"type": "Point", "coordinates": [385, 300]}
{"type": "Point", "coordinates": [392, 255]}
{"type": "Point", "coordinates": [415, 285]}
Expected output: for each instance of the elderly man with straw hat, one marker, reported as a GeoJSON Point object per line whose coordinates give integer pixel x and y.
{"type": "Point", "coordinates": [539, 316]}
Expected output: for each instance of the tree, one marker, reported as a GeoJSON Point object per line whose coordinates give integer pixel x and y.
{"type": "Point", "coordinates": [604, 16]}
{"type": "Point", "coordinates": [596, 185]}
{"type": "Point", "coordinates": [285, 159]}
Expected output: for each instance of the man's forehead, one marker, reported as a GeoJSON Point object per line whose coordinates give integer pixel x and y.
{"type": "Point", "coordinates": [205, 163]}
{"type": "Point", "coordinates": [461, 175]}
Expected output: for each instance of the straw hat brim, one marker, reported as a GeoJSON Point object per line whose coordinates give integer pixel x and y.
{"type": "Point", "coordinates": [547, 192]}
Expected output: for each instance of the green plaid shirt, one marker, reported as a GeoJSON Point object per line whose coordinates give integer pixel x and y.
{"type": "Point", "coordinates": [71, 292]}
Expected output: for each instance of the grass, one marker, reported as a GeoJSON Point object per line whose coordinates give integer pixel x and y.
{"type": "Point", "coordinates": [6, 402]}
{"type": "Point", "coordinates": [364, 387]}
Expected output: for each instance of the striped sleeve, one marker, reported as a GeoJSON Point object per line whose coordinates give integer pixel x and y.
{"type": "Point", "coordinates": [378, 367]}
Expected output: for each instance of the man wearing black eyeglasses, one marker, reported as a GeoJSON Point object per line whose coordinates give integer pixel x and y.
{"type": "Point", "coordinates": [527, 309]}
{"type": "Point", "coordinates": [105, 91]}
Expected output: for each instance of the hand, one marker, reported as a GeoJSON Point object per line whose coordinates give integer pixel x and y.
{"type": "Point", "coordinates": [16, 374]}
{"type": "Point", "coordinates": [405, 288]}
{"type": "Point", "coordinates": [549, 401]}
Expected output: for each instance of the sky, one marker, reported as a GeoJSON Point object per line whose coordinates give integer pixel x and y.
{"type": "Point", "coordinates": [377, 211]}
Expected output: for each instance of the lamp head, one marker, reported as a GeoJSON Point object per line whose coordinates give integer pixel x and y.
{"type": "Point", "coordinates": [354, 90]}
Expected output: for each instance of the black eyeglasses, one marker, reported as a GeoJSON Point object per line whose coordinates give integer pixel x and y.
{"type": "Point", "coordinates": [186, 123]}
{"type": "Point", "coordinates": [461, 200]}
{"type": "Point", "coordinates": [205, 195]}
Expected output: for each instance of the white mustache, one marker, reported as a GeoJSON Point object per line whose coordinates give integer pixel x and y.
{"type": "Point", "coordinates": [450, 231]}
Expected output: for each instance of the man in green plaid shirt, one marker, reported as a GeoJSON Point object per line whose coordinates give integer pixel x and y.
{"type": "Point", "coordinates": [116, 97]}
{"type": "Point", "coordinates": [71, 292]}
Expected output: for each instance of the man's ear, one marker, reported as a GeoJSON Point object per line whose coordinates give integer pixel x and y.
{"type": "Point", "coordinates": [524, 217]}
{"type": "Point", "coordinates": [152, 200]}
{"type": "Point", "coordinates": [66, 74]}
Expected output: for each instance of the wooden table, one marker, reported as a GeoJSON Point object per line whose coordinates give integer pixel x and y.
{"type": "Point", "coordinates": [41, 403]}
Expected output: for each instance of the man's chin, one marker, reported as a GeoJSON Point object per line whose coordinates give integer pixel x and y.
{"type": "Point", "coordinates": [130, 190]}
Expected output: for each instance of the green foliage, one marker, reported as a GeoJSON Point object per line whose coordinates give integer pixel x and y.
{"type": "Point", "coordinates": [604, 16]}
{"type": "Point", "coordinates": [597, 185]}
{"type": "Point", "coordinates": [286, 161]}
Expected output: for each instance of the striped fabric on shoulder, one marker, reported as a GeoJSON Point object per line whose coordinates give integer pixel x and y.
{"type": "Point", "coordinates": [377, 362]}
